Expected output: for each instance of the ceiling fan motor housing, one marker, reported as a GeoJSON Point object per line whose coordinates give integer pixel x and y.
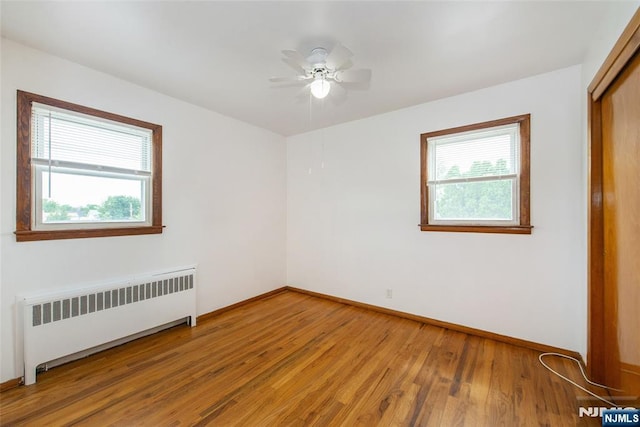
{"type": "Point", "coordinates": [318, 56]}
{"type": "Point", "coordinates": [320, 72]}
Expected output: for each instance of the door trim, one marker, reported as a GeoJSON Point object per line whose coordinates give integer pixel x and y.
{"type": "Point", "coordinates": [621, 54]}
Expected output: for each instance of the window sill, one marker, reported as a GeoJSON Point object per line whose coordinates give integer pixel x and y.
{"type": "Point", "coordinates": [32, 235]}
{"type": "Point", "coordinates": [508, 229]}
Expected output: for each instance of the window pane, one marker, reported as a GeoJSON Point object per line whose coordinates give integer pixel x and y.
{"type": "Point", "coordinates": [475, 156]}
{"type": "Point", "coordinates": [484, 200]}
{"type": "Point", "coordinates": [73, 197]}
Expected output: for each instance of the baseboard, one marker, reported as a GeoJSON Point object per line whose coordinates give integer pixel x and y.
{"type": "Point", "coordinates": [241, 303]}
{"type": "Point", "coordinates": [452, 326]}
{"type": "Point", "coordinates": [8, 385]}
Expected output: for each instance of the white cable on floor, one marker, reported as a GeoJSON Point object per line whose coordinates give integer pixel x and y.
{"type": "Point", "coordinates": [583, 375]}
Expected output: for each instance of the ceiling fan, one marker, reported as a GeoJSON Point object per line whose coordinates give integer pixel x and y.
{"type": "Point", "coordinates": [322, 69]}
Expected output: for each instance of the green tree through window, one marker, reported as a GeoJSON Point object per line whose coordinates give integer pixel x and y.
{"type": "Point", "coordinates": [488, 199]}
{"type": "Point", "coordinates": [114, 208]}
{"type": "Point", "coordinates": [55, 211]}
{"type": "Point", "coordinates": [121, 207]}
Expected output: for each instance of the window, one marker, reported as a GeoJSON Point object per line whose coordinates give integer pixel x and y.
{"type": "Point", "coordinates": [476, 178]}
{"type": "Point", "coordinates": [84, 172]}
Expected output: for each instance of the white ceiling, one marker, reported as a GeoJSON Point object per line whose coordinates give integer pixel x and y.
{"type": "Point", "coordinates": [219, 55]}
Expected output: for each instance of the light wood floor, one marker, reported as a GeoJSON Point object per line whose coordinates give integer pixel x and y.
{"type": "Point", "coordinates": [293, 360]}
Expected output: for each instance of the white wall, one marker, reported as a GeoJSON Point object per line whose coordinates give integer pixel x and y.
{"type": "Point", "coordinates": [223, 197]}
{"type": "Point", "coordinates": [353, 225]}
{"type": "Point", "coordinates": [611, 26]}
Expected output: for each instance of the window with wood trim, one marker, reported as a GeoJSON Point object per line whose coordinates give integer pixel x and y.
{"type": "Point", "coordinates": [84, 172]}
{"type": "Point", "coordinates": [476, 178]}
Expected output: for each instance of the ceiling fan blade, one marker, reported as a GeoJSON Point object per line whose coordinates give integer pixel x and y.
{"type": "Point", "coordinates": [294, 65]}
{"type": "Point", "coordinates": [287, 79]}
{"type": "Point", "coordinates": [295, 59]}
{"type": "Point", "coordinates": [338, 57]}
{"type": "Point", "coordinates": [354, 76]}
{"type": "Point", "coordinates": [346, 65]}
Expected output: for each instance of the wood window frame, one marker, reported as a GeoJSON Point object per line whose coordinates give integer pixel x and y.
{"type": "Point", "coordinates": [524, 226]}
{"type": "Point", "coordinates": [24, 191]}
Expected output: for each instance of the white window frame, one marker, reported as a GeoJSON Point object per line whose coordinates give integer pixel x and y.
{"type": "Point", "coordinates": [37, 189]}
{"type": "Point", "coordinates": [513, 130]}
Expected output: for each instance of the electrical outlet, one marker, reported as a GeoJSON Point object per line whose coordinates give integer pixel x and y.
{"type": "Point", "coordinates": [389, 293]}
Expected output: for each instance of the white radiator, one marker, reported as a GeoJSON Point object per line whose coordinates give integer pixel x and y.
{"type": "Point", "coordinates": [63, 323]}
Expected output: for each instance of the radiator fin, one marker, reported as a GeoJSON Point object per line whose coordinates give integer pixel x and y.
{"type": "Point", "coordinates": [57, 311]}
{"type": "Point", "coordinates": [54, 311]}
{"type": "Point", "coordinates": [37, 315]}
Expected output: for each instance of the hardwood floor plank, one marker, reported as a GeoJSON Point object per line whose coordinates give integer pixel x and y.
{"type": "Point", "coordinates": [298, 360]}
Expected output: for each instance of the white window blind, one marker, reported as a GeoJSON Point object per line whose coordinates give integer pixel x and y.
{"type": "Point", "coordinates": [471, 155]}
{"type": "Point", "coordinates": [78, 141]}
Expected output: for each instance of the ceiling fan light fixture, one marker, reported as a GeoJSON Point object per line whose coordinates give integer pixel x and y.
{"type": "Point", "coordinates": [321, 70]}
{"type": "Point", "coordinates": [320, 88]}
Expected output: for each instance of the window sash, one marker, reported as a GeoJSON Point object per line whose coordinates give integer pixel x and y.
{"type": "Point", "coordinates": [473, 179]}
{"type": "Point", "coordinates": [461, 138]}
{"type": "Point", "coordinates": [89, 167]}
{"type": "Point", "coordinates": [39, 192]}
{"type": "Point", "coordinates": [515, 205]}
